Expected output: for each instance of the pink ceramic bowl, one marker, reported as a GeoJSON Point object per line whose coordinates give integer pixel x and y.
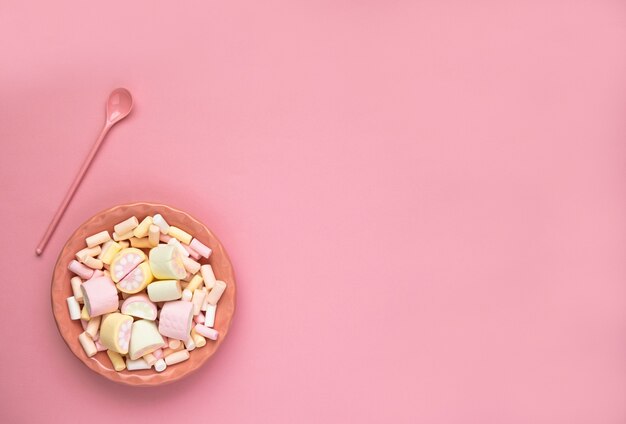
{"type": "Point", "coordinates": [61, 290]}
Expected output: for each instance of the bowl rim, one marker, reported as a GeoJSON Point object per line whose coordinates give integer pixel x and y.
{"type": "Point", "coordinates": [125, 378]}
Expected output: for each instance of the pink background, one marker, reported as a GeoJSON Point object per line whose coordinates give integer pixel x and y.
{"type": "Point", "coordinates": [424, 201]}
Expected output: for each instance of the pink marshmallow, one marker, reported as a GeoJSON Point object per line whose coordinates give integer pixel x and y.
{"type": "Point", "coordinates": [158, 353]}
{"type": "Point", "coordinates": [191, 252]}
{"type": "Point", "coordinates": [199, 319]}
{"type": "Point", "coordinates": [164, 238]}
{"type": "Point", "coordinates": [81, 270]}
{"type": "Point", "coordinates": [201, 248]}
{"type": "Point", "coordinates": [99, 346]}
{"type": "Point", "coordinates": [100, 296]}
{"type": "Point", "coordinates": [175, 320]}
{"type": "Point", "coordinates": [209, 333]}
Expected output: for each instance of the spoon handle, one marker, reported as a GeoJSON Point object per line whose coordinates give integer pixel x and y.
{"type": "Point", "coordinates": [70, 193]}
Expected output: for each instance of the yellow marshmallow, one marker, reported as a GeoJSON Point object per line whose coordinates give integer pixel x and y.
{"type": "Point", "coordinates": [142, 229]}
{"type": "Point", "coordinates": [180, 235]}
{"type": "Point", "coordinates": [116, 359]}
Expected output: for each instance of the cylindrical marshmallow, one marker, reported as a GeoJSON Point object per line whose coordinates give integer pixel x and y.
{"type": "Point", "coordinates": [160, 222]}
{"type": "Point", "coordinates": [92, 262]}
{"type": "Point", "coordinates": [73, 307]}
{"type": "Point", "coordinates": [199, 340]}
{"type": "Point", "coordinates": [76, 283]}
{"type": "Point", "coordinates": [168, 350]}
{"type": "Point", "coordinates": [150, 358]}
{"type": "Point", "coordinates": [192, 252]}
{"type": "Point", "coordinates": [166, 262]}
{"type": "Point", "coordinates": [109, 250]}
{"type": "Point", "coordinates": [115, 332]}
{"type": "Point", "coordinates": [153, 235]}
{"type": "Point", "coordinates": [176, 357]}
{"type": "Point", "coordinates": [187, 295]}
{"type": "Point", "coordinates": [206, 300]}
{"type": "Point", "coordinates": [124, 244]}
{"type": "Point", "coordinates": [200, 247]}
{"type": "Point", "coordinates": [96, 239]}
{"type": "Point", "coordinates": [191, 265]}
{"type": "Point", "coordinates": [209, 315]}
{"type": "Point", "coordinates": [126, 226]}
{"type": "Point", "coordinates": [160, 365]}
{"type": "Point", "coordinates": [145, 338]}
{"type": "Point", "coordinates": [116, 360]}
{"type": "Point", "coordinates": [181, 235]}
{"type": "Point", "coordinates": [99, 346]}
{"type": "Point", "coordinates": [100, 296]}
{"type": "Point", "coordinates": [142, 243]}
{"type": "Point", "coordinates": [173, 343]}
{"type": "Point", "coordinates": [197, 300]}
{"type": "Point", "coordinates": [199, 319]}
{"type": "Point", "coordinates": [158, 353]}
{"type": "Point", "coordinates": [137, 364]}
{"type": "Point", "coordinates": [79, 269]}
{"type": "Point", "coordinates": [209, 333]}
{"type": "Point", "coordinates": [208, 276]}
{"type": "Point", "coordinates": [175, 319]}
{"type": "Point", "coordinates": [142, 229]}
{"type": "Point", "coordinates": [216, 292]}
{"type": "Point", "coordinates": [93, 326]}
{"type": "Point", "coordinates": [120, 237]}
{"type": "Point", "coordinates": [84, 315]}
{"type": "Point", "coordinates": [88, 251]}
{"type": "Point", "coordinates": [164, 290]}
{"type": "Point", "coordinates": [88, 345]}
{"type": "Point", "coordinates": [196, 281]}
{"type": "Point", "coordinates": [164, 238]}
{"type": "Point", "coordinates": [190, 344]}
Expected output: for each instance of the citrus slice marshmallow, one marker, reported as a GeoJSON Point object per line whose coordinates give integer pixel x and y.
{"type": "Point", "coordinates": [136, 280]}
{"type": "Point", "coordinates": [145, 339]}
{"type": "Point", "coordinates": [115, 331]}
{"type": "Point", "coordinates": [124, 262]}
{"type": "Point", "coordinates": [166, 263]}
{"type": "Point", "coordinates": [140, 306]}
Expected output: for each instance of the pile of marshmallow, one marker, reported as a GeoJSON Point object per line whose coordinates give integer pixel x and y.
{"type": "Point", "coordinates": [145, 298]}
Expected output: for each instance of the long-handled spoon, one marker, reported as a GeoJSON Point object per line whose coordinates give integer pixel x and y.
{"type": "Point", "coordinates": [119, 106]}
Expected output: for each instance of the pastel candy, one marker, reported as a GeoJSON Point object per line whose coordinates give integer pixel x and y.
{"type": "Point", "coordinates": [142, 229]}
{"type": "Point", "coordinates": [109, 250]}
{"type": "Point", "coordinates": [136, 280]}
{"type": "Point", "coordinates": [209, 333]}
{"type": "Point", "coordinates": [145, 338]}
{"type": "Point", "coordinates": [116, 360]}
{"type": "Point", "coordinates": [164, 290]}
{"type": "Point", "coordinates": [79, 269]}
{"type": "Point", "coordinates": [115, 331]}
{"type": "Point", "coordinates": [208, 276]}
{"type": "Point", "coordinates": [200, 247]}
{"type": "Point", "coordinates": [181, 235]}
{"type": "Point", "coordinates": [100, 296]}
{"type": "Point", "coordinates": [139, 306]}
{"type": "Point", "coordinates": [124, 262]}
{"type": "Point", "coordinates": [166, 263]}
{"type": "Point", "coordinates": [176, 319]}
{"type": "Point", "coordinates": [126, 226]}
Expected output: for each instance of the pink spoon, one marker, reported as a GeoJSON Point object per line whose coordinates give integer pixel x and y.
{"type": "Point", "coordinates": [119, 106]}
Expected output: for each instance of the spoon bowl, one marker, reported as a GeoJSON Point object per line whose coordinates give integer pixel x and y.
{"type": "Point", "coordinates": [119, 105]}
